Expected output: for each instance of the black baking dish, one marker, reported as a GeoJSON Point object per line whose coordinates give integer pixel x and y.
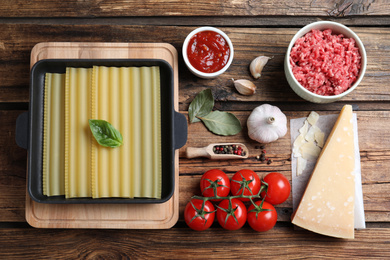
{"type": "Point", "coordinates": [29, 127]}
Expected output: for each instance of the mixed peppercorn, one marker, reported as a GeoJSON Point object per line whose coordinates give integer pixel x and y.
{"type": "Point", "coordinates": [262, 156]}
{"type": "Point", "coordinates": [229, 149]}
{"type": "Point", "coordinates": [238, 150]}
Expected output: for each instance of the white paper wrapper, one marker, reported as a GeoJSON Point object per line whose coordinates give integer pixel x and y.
{"type": "Point", "coordinates": [325, 123]}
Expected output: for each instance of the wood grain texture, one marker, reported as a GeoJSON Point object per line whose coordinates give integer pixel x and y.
{"type": "Point", "coordinates": [178, 243]}
{"type": "Point", "coordinates": [374, 151]}
{"type": "Point", "coordinates": [12, 170]}
{"type": "Point", "coordinates": [256, 28]}
{"type": "Point", "coordinates": [124, 8]}
{"type": "Point", "coordinates": [217, 21]}
{"type": "Point", "coordinates": [248, 43]}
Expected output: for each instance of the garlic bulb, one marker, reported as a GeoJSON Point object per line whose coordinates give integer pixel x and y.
{"type": "Point", "coordinates": [244, 87]}
{"type": "Point", "coordinates": [266, 124]}
{"type": "Point", "coordinates": [257, 65]}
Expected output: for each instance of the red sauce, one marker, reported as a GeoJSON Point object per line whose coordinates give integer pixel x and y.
{"type": "Point", "coordinates": [208, 51]}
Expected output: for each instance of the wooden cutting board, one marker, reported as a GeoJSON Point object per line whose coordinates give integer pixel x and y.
{"type": "Point", "coordinates": [127, 216]}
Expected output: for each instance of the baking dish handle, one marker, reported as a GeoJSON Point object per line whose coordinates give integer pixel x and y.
{"type": "Point", "coordinates": [21, 131]}
{"type": "Point", "coordinates": [180, 130]}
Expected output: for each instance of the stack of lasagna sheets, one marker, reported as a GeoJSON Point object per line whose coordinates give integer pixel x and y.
{"type": "Point", "coordinates": [74, 164]}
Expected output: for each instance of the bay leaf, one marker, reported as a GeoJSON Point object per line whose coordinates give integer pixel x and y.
{"type": "Point", "coordinates": [222, 123]}
{"type": "Point", "coordinates": [201, 106]}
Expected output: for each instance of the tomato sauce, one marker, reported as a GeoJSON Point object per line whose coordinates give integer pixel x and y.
{"type": "Point", "coordinates": [208, 51]}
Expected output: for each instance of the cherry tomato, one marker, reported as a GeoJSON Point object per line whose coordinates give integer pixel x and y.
{"type": "Point", "coordinates": [278, 188]}
{"type": "Point", "coordinates": [215, 179]}
{"type": "Point", "coordinates": [196, 218]}
{"type": "Point", "coordinates": [245, 181]}
{"type": "Point", "coordinates": [231, 214]}
{"type": "Point", "coordinates": [259, 218]}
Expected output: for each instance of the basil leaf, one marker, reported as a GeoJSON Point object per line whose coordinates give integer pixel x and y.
{"type": "Point", "coordinates": [105, 134]}
{"type": "Point", "coordinates": [222, 123]}
{"type": "Point", "coordinates": [202, 105]}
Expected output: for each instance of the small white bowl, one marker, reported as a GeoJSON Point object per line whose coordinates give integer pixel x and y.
{"type": "Point", "coordinates": [200, 73]}
{"type": "Point", "coordinates": [336, 28]}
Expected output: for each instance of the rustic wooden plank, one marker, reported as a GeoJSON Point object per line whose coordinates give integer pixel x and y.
{"type": "Point", "coordinates": [372, 125]}
{"type": "Point", "coordinates": [189, 187]}
{"type": "Point", "coordinates": [231, 21]}
{"type": "Point", "coordinates": [375, 188]}
{"type": "Point", "coordinates": [96, 8]}
{"type": "Point", "coordinates": [376, 197]}
{"type": "Point", "coordinates": [334, 107]}
{"type": "Point", "coordinates": [374, 149]}
{"type": "Point", "coordinates": [374, 155]}
{"type": "Point", "coordinates": [12, 170]}
{"type": "Point", "coordinates": [248, 42]}
{"type": "Point", "coordinates": [178, 243]}
{"type": "Point", "coordinates": [272, 86]}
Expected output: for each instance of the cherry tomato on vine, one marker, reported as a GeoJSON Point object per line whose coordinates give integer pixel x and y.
{"type": "Point", "coordinates": [278, 188]}
{"type": "Point", "coordinates": [263, 217]}
{"type": "Point", "coordinates": [231, 214]}
{"type": "Point", "coordinates": [245, 182]}
{"type": "Point", "coordinates": [197, 218]}
{"type": "Point", "coordinates": [215, 179]}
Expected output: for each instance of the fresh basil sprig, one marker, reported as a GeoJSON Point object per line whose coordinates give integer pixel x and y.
{"type": "Point", "coordinates": [217, 122]}
{"type": "Point", "coordinates": [105, 134]}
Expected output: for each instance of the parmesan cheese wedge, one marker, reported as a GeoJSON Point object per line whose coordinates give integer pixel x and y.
{"type": "Point", "coordinates": [327, 205]}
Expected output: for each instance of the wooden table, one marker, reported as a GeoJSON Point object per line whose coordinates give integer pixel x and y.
{"type": "Point", "coordinates": [256, 28]}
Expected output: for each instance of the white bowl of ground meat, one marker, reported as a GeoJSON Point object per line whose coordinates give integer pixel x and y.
{"type": "Point", "coordinates": [325, 61]}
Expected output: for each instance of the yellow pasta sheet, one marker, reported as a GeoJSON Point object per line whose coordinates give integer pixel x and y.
{"type": "Point", "coordinates": [78, 137]}
{"type": "Point", "coordinates": [128, 98]}
{"type": "Point", "coordinates": [53, 135]}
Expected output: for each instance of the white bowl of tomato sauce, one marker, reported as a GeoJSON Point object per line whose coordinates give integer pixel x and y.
{"type": "Point", "coordinates": [325, 61]}
{"type": "Point", "coordinates": [207, 52]}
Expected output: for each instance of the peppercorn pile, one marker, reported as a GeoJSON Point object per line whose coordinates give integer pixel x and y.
{"type": "Point", "coordinates": [262, 157]}
{"type": "Point", "coordinates": [229, 149]}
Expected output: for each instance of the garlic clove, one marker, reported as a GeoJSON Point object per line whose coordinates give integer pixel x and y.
{"type": "Point", "coordinates": [244, 87]}
{"type": "Point", "coordinates": [257, 65]}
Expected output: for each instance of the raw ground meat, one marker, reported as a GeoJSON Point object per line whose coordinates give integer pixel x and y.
{"type": "Point", "coordinates": [324, 63]}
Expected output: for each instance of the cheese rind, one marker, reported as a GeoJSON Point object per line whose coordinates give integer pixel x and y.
{"type": "Point", "coordinates": [327, 206]}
